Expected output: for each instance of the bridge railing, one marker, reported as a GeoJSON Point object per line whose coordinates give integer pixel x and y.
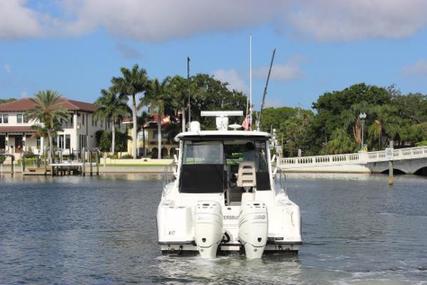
{"type": "Point", "coordinates": [321, 159]}
{"type": "Point", "coordinates": [355, 158]}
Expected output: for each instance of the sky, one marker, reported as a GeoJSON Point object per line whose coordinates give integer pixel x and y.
{"type": "Point", "coordinates": [76, 46]}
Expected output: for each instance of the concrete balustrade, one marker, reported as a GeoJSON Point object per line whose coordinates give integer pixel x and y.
{"type": "Point", "coordinates": [354, 162]}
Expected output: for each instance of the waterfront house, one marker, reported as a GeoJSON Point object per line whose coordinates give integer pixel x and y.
{"type": "Point", "coordinates": [17, 135]}
{"type": "Point", "coordinates": [150, 134]}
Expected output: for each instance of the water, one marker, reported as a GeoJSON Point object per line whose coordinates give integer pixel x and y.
{"type": "Point", "coordinates": [74, 230]}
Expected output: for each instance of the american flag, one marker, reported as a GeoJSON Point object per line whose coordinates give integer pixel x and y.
{"type": "Point", "coordinates": [246, 123]}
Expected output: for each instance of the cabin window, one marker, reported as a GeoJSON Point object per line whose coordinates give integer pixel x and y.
{"type": "Point", "coordinates": [255, 151]}
{"type": "Point", "coordinates": [212, 166]}
{"type": "Point", "coordinates": [203, 153]}
{"type": "Point", "coordinates": [202, 170]}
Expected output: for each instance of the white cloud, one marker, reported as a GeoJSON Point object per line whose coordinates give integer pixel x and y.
{"type": "Point", "coordinates": [167, 19]}
{"type": "Point", "coordinates": [161, 20]}
{"type": "Point", "coordinates": [18, 21]}
{"type": "Point", "coordinates": [232, 77]}
{"type": "Point", "coordinates": [281, 72]}
{"type": "Point", "coordinates": [417, 69]}
{"type": "Point", "coordinates": [7, 68]}
{"type": "Point", "coordinates": [339, 20]}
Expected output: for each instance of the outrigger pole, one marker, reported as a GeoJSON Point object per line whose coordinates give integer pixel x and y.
{"type": "Point", "coordinates": [188, 89]}
{"type": "Point", "coordinates": [265, 89]}
{"type": "Point", "coordinates": [250, 83]}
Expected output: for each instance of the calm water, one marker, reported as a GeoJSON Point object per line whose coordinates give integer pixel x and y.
{"type": "Point", "coordinates": [73, 230]}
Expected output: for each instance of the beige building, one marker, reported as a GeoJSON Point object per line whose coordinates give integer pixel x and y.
{"type": "Point", "coordinates": [149, 132]}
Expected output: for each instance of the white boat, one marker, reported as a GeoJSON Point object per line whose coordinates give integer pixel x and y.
{"type": "Point", "coordinates": [226, 196]}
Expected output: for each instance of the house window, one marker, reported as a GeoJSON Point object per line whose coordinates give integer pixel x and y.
{"type": "Point", "coordinates": [25, 118]}
{"type": "Point", "coordinates": [83, 119]}
{"type": "Point", "coordinates": [19, 118]}
{"type": "Point", "coordinates": [67, 142]}
{"type": "Point", "coordinates": [38, 143]}
{"type": "Point", "coordinates": [61, 142]}
{"type": "Point", "coordinates": [4, 118]}
{"type": "Point", "coordinates": [82, 141]}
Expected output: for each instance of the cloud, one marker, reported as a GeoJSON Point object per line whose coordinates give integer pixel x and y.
{"type": "Point", "coordinates": [337, 20]}
{"type": "Point", "coordinates": [163, 20]}
{"type": "Point", "coordinates": [128, 51]}
{"type": "Point", "coordinates": [7, 68]}
{"type": "Point", "coordinates": [417, 69]}
{"type": "Point", "coordinates": [167, 19]}
{"type": "Point", "coordinates": [18, 21]}
{"type": "Point", "coordinates": [281, 72]}
{"type": "Point", "coordinates": [232, 77]}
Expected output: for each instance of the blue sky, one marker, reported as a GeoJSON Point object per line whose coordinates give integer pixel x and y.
{"type": "Point", "coordinates": [76, 46]}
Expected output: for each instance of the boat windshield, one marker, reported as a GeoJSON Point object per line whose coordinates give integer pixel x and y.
{"type": "Point", "coordinates": [212, 166]}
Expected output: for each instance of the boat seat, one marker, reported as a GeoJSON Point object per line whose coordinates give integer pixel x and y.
{"type": "Point", "coordinates": [246, 175]}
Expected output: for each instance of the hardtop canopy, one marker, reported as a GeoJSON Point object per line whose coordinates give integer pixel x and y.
{"type": "Point", "coordinates": [223, 135]}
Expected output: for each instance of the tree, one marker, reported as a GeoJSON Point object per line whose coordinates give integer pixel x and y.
{"type": "Point", "coordinates": [209, 94]}
{"type": "Point", "coordinates": [376, 131]}
{"type": "Point", "coordinates": [132, 83]}
{"type": "Point", "coordinates": [112, 108]}
{"type": "Point", "coordinates": [157, 97]}
{"type": "Point", "coordinates": [178, 88]}
{"type": "Point", "coordinates": [340, 143]}
{"type": "Point", "coordinates": [49, 112]}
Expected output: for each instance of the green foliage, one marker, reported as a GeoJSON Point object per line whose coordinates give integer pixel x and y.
{"type": "Point", "coordinates": [103, 140]}
{"type": "Point", "coordinates": [209, 94]}
{"type": "Point", "coordinates": [111, 106]}
{"type": "Point", "coordinates": [132, 82]}
{"type": "Point", "coordinates": [2, 159]}
{"type": "Point", "coordinates": [340, 142]}
{"type": "Point", "coordinates": [126, 156]}
{"type": "Point", "coordinates": [336, 128]}
{"type": "Point", "coordinates": [422, 143]}
{"type": "Point", "coordinates": [333, 127]}
{"type": "Point", "coordinates": [50, 113]}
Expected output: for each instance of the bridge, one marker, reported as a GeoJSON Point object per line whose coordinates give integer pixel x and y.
{"type": "Point", "coordinates": [411, 160]}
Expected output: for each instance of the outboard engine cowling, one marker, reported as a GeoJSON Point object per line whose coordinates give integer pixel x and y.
{"type": "Point", "coordinates": [208, 227]}
{"type": "Point", "coordinates": [253, 228]}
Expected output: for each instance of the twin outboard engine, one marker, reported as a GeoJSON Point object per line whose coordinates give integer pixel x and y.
{"type": "Point", "coordinates": [253, 228]}
{"type": "Point", "coordinates": [208, 228]}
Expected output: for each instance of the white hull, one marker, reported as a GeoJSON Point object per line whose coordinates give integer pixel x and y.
{"type": "Point", "coordinates": [226, 196]}
{"type": "Point", "coordinates": [176, 222]}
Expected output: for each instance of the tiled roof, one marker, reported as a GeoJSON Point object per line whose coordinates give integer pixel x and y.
{"type": "Point", "coordinates": [16, 129]}
{"type": "Point", "coordinates": [17, 106]}
{"type": "Point", "coordinates": [28, 104]}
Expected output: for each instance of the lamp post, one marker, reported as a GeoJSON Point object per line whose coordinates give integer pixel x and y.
{"type": "Point", "coordinates": [362, 117]}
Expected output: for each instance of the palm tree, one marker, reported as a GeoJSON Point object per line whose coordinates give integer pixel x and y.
{"type": "Point", "coordinates": [49, 112]}
{"type": "Point", "coordinates": [142, 120]}
{"type": "Point", "coordinates": [179, 89]}
{"type": "Point", "coordinates": [132, 82]}
{"type": "Point", "coordinates": [376, 130]}
{"type": "Point", "coordinates": [113, 108]}
{"type": "Point", "coordinates": [156, 98]}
